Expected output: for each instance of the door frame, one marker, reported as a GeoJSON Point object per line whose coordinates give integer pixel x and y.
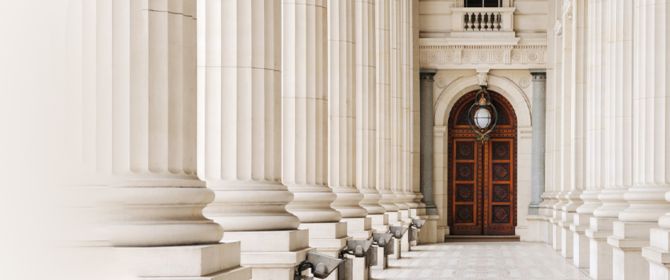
{"type": "Point", "coordinates": [458, 130]}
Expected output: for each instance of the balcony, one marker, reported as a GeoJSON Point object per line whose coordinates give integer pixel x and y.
{"type": "Point", "coordinates": [487, 22]}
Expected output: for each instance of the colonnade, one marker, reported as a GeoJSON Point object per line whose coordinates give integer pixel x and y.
{"type": "Point", "coordinates": [291, 125]}
{"type": "Point", "coordinates": [608, 154]}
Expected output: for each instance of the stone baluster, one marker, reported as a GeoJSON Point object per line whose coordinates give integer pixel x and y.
{"type": "Point", "coordinates": [138, 120]}
{"type": "Point", "coordinates": [304, 123]}
{"type": "Point", "coordinates": [240, 132]}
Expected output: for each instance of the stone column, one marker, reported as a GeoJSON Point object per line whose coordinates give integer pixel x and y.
{"type": "Point", "coordinates": [570, 73]}
{"type": "Point", "coordinates": [396, 113]}
{"type": "Point", "coordinates": [366, 112]}
{"type": "Point", "coordinates": [383, 97]}
{"type": "Point", "coordinates": [342, 118]}
{"type": "Point", "coordinates": [428, 233]}
{"type": "Point", "coordinates": [651, 143]}
{"type": "Point", "coordinates": [576, 227]}
{"type": "Point", "coordinates": [653, 109]}
{"type": "Point", "coordinates": [539, 94]}
{"type": "Point", "coordinates": [304, 123]}
{"type": "Point", "coordinates": [558, 195]}
{"type": "Point", "coordinates": [609, 90]}
{"type": "Point", "coordinates": [239, 68]}
{"type": "Point", "coordinates": [138, 120]}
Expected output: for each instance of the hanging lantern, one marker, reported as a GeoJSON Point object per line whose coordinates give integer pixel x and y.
{"type": "Point", "coordinates": [483, 116]}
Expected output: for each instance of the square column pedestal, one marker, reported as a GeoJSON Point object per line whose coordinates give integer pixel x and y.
{"type": "Point", "coordinates": [628, 239]}
{"type": "Point", "coordinates": [428, 233]}
{"type": "Point", "coordinates": [566, 237]}
{"type": "Point", "coordinates": [201, 262]}
{"type": "Point", "coordinates": [580, 242]}
{"type": "Point", "coordinates": [658, 254]}
{"type": "Point", "coordinates": [380, 224]}
{"type": "Point", "coordinates": [600, 253]}
{"type": "Point", "coordinates": [556, 230]}
{"type": "Point", "coordinates": [272, 255]}
{"type": "Point", "coordinates": [327, 238]}
{"type": "Point", "coordinates": [359, 228]}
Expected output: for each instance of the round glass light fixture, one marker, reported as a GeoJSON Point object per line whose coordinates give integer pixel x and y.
{"type": "Point", "coordinates": [483, 116]}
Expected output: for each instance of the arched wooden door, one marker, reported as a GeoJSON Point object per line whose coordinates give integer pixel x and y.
{"type": "Point", "coordinates": [482, 175]}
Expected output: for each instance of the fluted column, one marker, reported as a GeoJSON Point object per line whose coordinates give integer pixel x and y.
{"type": "Point", "coordinates": [383, 98]}
{"type": "Point", "coordinates": [366, 106]}
{"type": "Point", "coordinates": [397, 92]}
{"type": "Point", "coordinates": [588, 196]}
{"type": "Point", "coordinates": [415, 108]}
{"type": "Point", "coordinates": [305, 123]}
{"type": "Point", "coordinates": [342, 117]}
{"type": "Point", "coordinates": [138, 117]}
{"type": "Point", "coordinates": [558, 194]}
{"type": "Point", "coordinates": [650, 133]}
{"type": "Point", "coordinates": [652, 111]}
{"type": "Point", "coordinates": [305, 110]}
{"type": "Point", "coordinates": [616, 78]}
{"type": "Point", "coordinates": [240, 131]}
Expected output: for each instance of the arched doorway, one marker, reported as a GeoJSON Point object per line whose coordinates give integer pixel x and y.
{"type": "Point", "coordinates": [482, 175]}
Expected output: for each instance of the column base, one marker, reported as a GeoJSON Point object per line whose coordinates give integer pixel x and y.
{"type": "Point", "coordinates": [566, 237]}
{"type": "Point", "coordinates": [628, 239]}
{"type": "Point", "coordinates": [359, 269]}
{"type": "Point", "coordinates": [556, 235]}
{"type": "Point", "coordinates": [600, 253]}
{"type": "Point", "coordinates": [359, 228]}
{"type": "Point", "coordinates": [580, 242]}
{"type": "Point", "coordinates": [272, 254]}
{"type": "Point", "coordinates": [327, 238]}
{"type": "Point", "coordinates": [658, 254]}
{"type": "Point", "coordinates": [536, 229]}
{"type": "Point", "coordinates": [428, 233]}
{"type": "Point", "coordinates": [380, 222]}
{"type": "Point", "coordinates": [393, 218]}
{"type": "Point", "coordinates": [201, 262]}
{"type": "Point", "coordinates": [382, 258]}
{"type": "Point", "coordinates": [397, 246]}
{"type": "Point", "coordinates": [404, 216]}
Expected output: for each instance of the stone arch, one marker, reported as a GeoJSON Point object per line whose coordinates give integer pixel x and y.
{"type": "Point", "coordinates": [445, 101]}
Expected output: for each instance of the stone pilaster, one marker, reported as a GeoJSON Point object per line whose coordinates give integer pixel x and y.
{"type": "Point", "coordinates": [138, 115]}
{"type": "Point", "coordinates": [342, 118]}
{"type": "Point", "coordinates": [239, 65]}
{"type": "Point", "coordinates": [537, 180]}
{"type": "Point", "coordinates": [305, 123]}
{"type": "Point", "coordinates": [428, 233]}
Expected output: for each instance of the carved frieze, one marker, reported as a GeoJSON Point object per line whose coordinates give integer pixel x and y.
{"type": "Point", "coordinates": [467, 57]}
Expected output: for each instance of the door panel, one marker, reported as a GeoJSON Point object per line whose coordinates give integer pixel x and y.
{"type": "Point", "coordinates": [482, 175]}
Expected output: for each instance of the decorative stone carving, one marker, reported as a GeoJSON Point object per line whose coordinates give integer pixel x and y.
{"type": "Point", "coordinates": [445, 56]}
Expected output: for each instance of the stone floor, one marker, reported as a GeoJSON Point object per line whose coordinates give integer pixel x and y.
{"type": "Point", "coordinates": [485, 260]}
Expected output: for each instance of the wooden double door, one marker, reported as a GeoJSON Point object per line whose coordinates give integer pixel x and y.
{"type": "Point", "coordinates": [482, 175]}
